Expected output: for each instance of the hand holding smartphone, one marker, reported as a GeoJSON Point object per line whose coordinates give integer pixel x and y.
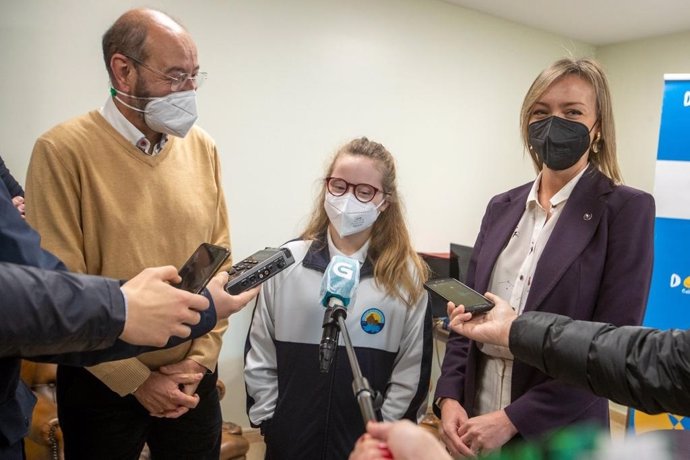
{"type": "Point", "coordinates": [454, 291]}
{"type": "Point", "coordinates": [201, 266]}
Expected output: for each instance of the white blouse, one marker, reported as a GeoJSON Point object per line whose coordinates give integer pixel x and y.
{"type": "Point", "coordinates": [511, 279]}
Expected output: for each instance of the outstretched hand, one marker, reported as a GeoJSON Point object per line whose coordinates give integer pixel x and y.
{"type": "Point", "coordinates": [492, 327]}
{"type": "Point", "coordinates": [402, 439]}
{"type": "Point", "coordinates": [225, 303]}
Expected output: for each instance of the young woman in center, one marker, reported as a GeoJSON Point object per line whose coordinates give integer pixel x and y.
{"type": "Point", "coordinates": [306, 414]}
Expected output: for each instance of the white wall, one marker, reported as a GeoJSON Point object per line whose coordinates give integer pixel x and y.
{"type": "Point", "coordinates": [636, 72]}
{"type": "Point", "coordinates": [289, 82]}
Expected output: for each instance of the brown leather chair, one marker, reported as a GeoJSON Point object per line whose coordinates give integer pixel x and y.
{"type": "Point", "coordinates": [44, 441]}
{"type": "Point", "coordinates": [232, 444]}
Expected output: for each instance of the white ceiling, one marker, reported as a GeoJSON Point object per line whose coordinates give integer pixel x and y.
{"type": "Point", "coordinates": [596, 22]}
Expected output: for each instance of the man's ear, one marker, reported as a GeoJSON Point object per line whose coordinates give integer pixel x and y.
{"type": "Point", "coordinates": [123, 73]}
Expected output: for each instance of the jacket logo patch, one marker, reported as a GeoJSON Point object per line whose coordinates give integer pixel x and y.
{"type": "Point", "coordinates": [372, 321]}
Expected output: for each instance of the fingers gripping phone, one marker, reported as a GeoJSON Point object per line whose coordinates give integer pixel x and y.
{"type": "Point", "coordinates": [454, 291]}
{"type": "Point", "coordinates": [201, 266]}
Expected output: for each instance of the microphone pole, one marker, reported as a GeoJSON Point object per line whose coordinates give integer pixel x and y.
{"type": "Point", "coordinates": [360, 384]}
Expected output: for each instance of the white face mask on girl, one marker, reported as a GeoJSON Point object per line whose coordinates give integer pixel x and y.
{"type": "Point", "coordinates": [349, 215]}
{"type": "Point", "coordinates": [174, 114]}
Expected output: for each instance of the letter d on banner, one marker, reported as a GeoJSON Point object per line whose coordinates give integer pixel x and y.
{"type": "Point", "coordinates": [675, 280]}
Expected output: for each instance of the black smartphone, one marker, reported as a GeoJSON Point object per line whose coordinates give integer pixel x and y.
{"type": "Point", "coordinates": [201, 266]}
{"type": "Point", "coordinates": [454, 291]}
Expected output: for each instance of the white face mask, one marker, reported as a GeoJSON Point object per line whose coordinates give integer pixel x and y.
{"type": "Point", "coordinates": [349, 215]}
{"type": "Point", "coordinates": [173, 114]}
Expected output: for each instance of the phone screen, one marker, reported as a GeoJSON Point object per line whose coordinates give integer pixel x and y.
{"type": "Point", "coordinates": [456, 292]}
{"type": "Point", "coordinates": [201, 266]}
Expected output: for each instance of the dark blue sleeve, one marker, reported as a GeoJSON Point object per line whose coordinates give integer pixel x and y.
{"type": "Point", "coordinates": [10, 182]}
{"type": "Point", "coordinates": [122, 350]}
{"type": "Point", "coordinates": [19, 243]}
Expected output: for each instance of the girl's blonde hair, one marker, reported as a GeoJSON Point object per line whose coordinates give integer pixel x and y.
{"type": "Point", "coordinates": [397, 267]}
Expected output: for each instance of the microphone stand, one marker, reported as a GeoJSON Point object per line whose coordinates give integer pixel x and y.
{"type": "Point", "coordinates": [369, 400]}
{"type": "Point", "coordinates": [365, 395]}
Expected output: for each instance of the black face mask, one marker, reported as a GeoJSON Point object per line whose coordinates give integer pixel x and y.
{"type": "Point", "coordinates": [558, 142]}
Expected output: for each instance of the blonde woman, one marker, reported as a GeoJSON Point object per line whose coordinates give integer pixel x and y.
{"type": "Point", "coordinates": [574, 242]}
{"type": "Point", "coordinates": [302, 412]}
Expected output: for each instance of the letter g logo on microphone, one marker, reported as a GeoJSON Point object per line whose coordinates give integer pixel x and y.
{"type": "Point", "coordinates": [343, 269]}
{"type": "Point", "coordinates": [339, 280]}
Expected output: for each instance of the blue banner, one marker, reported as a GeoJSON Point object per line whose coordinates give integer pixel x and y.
{"type": "Point", "coordinates": [669, 299]}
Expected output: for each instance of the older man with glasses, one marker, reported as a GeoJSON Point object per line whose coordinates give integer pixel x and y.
{"type": "Point", "coordinates": [132, 185]}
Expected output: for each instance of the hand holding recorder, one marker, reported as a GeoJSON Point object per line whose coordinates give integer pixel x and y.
{"type": "Point", "coordinates": [227, 304]}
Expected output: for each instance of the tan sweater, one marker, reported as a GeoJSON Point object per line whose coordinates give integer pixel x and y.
{"type": "Point", "coordinates": [105, 208]}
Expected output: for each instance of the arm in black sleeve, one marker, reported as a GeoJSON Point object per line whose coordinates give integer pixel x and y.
{"type": "Point", "coordinates": [640, 367]}
{"type": "Point", "coordinates": [45, 312]}
{"type": "Point", "coordinates": [122, 350]}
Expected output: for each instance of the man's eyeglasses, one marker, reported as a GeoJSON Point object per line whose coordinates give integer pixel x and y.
{"type": "Point", "coordinates": [177, 81]}
{"type": "Point", "coordinates": [363, 192]}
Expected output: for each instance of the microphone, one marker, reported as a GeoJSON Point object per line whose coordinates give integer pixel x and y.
{"type": "Point", "coordinates": [337, 289]}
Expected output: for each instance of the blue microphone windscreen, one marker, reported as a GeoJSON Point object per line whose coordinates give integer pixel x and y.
{"type": "Point", "coordinates": [340, 280]}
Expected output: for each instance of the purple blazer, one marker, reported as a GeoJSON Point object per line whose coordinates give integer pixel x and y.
{"type": "Point", "coordinates": [596, 266]}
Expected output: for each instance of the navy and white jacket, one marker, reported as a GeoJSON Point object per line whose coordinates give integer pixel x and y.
{"type": "Point", "coordinates": [308, 415]}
